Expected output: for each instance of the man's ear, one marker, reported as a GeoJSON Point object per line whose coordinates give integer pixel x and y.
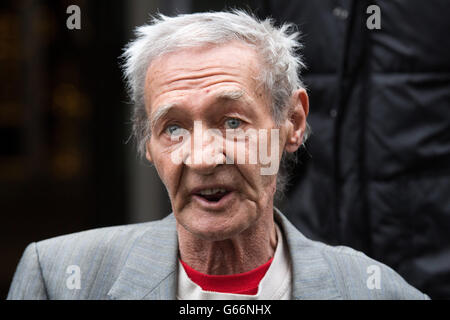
{"type": "Point", "coordinates": [148, 155]}
{"type": "Point", "coordinates": [296, 122]}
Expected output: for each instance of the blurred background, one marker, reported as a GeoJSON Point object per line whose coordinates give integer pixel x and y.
{"type": "Point", "coordinates": [66, 162]}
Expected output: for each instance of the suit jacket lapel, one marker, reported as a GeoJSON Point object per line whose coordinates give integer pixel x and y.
{"type": "Point", "coordinates": [311, 274]}
{"type": "Point", "coordinates": [150, 271]}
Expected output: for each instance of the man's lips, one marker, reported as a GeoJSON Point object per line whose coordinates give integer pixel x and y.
{"type": "Point", "coordinates": [212, 196]}
{"type": "Point", "coordinates": [207, 188]}
{"type": "Point", "coordinates": [219, 204]}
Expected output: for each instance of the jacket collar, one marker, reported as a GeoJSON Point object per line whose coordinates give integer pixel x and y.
{"type": "Point", "coordinates": [312, 277]}
{"type": "Point", "coordinates": [150, 271]}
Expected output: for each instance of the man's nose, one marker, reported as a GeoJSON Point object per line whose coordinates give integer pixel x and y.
{"type": "Point", "coordinates": [206, 149]}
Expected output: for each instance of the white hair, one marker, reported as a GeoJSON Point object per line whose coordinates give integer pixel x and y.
{"type": "Point", "coordinates": [276, 46]}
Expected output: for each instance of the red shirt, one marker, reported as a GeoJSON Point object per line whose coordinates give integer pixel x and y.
{"type": "Point", "coordinates": [240, 283]}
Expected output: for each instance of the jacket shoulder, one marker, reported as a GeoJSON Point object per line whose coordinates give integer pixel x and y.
{"type": "Point", "coordinates": [360, 277]}
{"type": "Point", "coordinates": [101, 238]}
{"type": "Point", "coordinates": [82, 265]}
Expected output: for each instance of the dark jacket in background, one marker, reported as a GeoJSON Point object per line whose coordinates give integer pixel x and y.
{"type": "Point", "coordinates": [376, 174]}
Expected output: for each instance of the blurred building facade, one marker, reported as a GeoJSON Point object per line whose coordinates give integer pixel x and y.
{"type": "Point", "coordinates": [66, 161]}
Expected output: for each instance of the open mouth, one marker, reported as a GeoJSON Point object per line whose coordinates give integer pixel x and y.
{"type": "Point", "coordinates": [212, 195]}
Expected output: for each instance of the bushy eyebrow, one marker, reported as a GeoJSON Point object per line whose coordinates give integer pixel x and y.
{"type": "Point", "coordinates": [160, 112]}
{"type": "Point", "coordinates": [230, 95]}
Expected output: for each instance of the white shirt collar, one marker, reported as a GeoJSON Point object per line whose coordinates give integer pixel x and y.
{"type": "Point", "coordinates": [275, 285]}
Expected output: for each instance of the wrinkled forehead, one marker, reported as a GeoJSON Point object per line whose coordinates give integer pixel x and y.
{"type": "Point", "coordinates": [203, 66]}
{"type": "Point", "coordinates": [233, 55]}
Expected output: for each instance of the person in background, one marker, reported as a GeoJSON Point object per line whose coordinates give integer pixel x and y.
{"type": "Point", "coordinates": [375, 174]}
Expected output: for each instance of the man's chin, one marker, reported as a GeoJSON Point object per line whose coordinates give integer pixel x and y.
{"type": "Point", "coordinates": [214, 236]}
{"type": "Point", "coordinates": [214, 226]}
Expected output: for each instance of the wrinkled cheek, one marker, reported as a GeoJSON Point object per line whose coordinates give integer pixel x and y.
{"type": "Point", "coordinates": [241, 150]}
{"type": "Point", "coordinates": [259, 148]}
{"type": "Point", "coordinates": [270, 183]}
{"type": "Point", "coordinates": [168, 173]}
{"type": "Point", "coordinates": [257, 160]}
{"type": "Point", "coordinates": [269, 151]}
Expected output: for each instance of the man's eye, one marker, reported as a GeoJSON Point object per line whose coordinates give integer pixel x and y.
{"type": "Point", "coordinates": [232, 123]}
{"type": "Point", "coordinates": [173, 130]}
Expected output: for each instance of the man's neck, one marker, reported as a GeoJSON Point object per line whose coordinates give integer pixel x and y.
{"type": "Point", "coordinates": [244, 252]}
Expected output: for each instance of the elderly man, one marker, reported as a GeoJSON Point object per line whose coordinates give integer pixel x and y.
{"type": "Point", "coordinates": [214, 94]}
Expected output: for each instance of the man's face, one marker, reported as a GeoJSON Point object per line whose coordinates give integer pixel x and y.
{"type": "Point", "coordinates": [213, 86]}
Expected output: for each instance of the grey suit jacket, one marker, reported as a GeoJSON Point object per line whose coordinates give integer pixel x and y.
{"type": "Point", "coordinates": [139, 261]}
